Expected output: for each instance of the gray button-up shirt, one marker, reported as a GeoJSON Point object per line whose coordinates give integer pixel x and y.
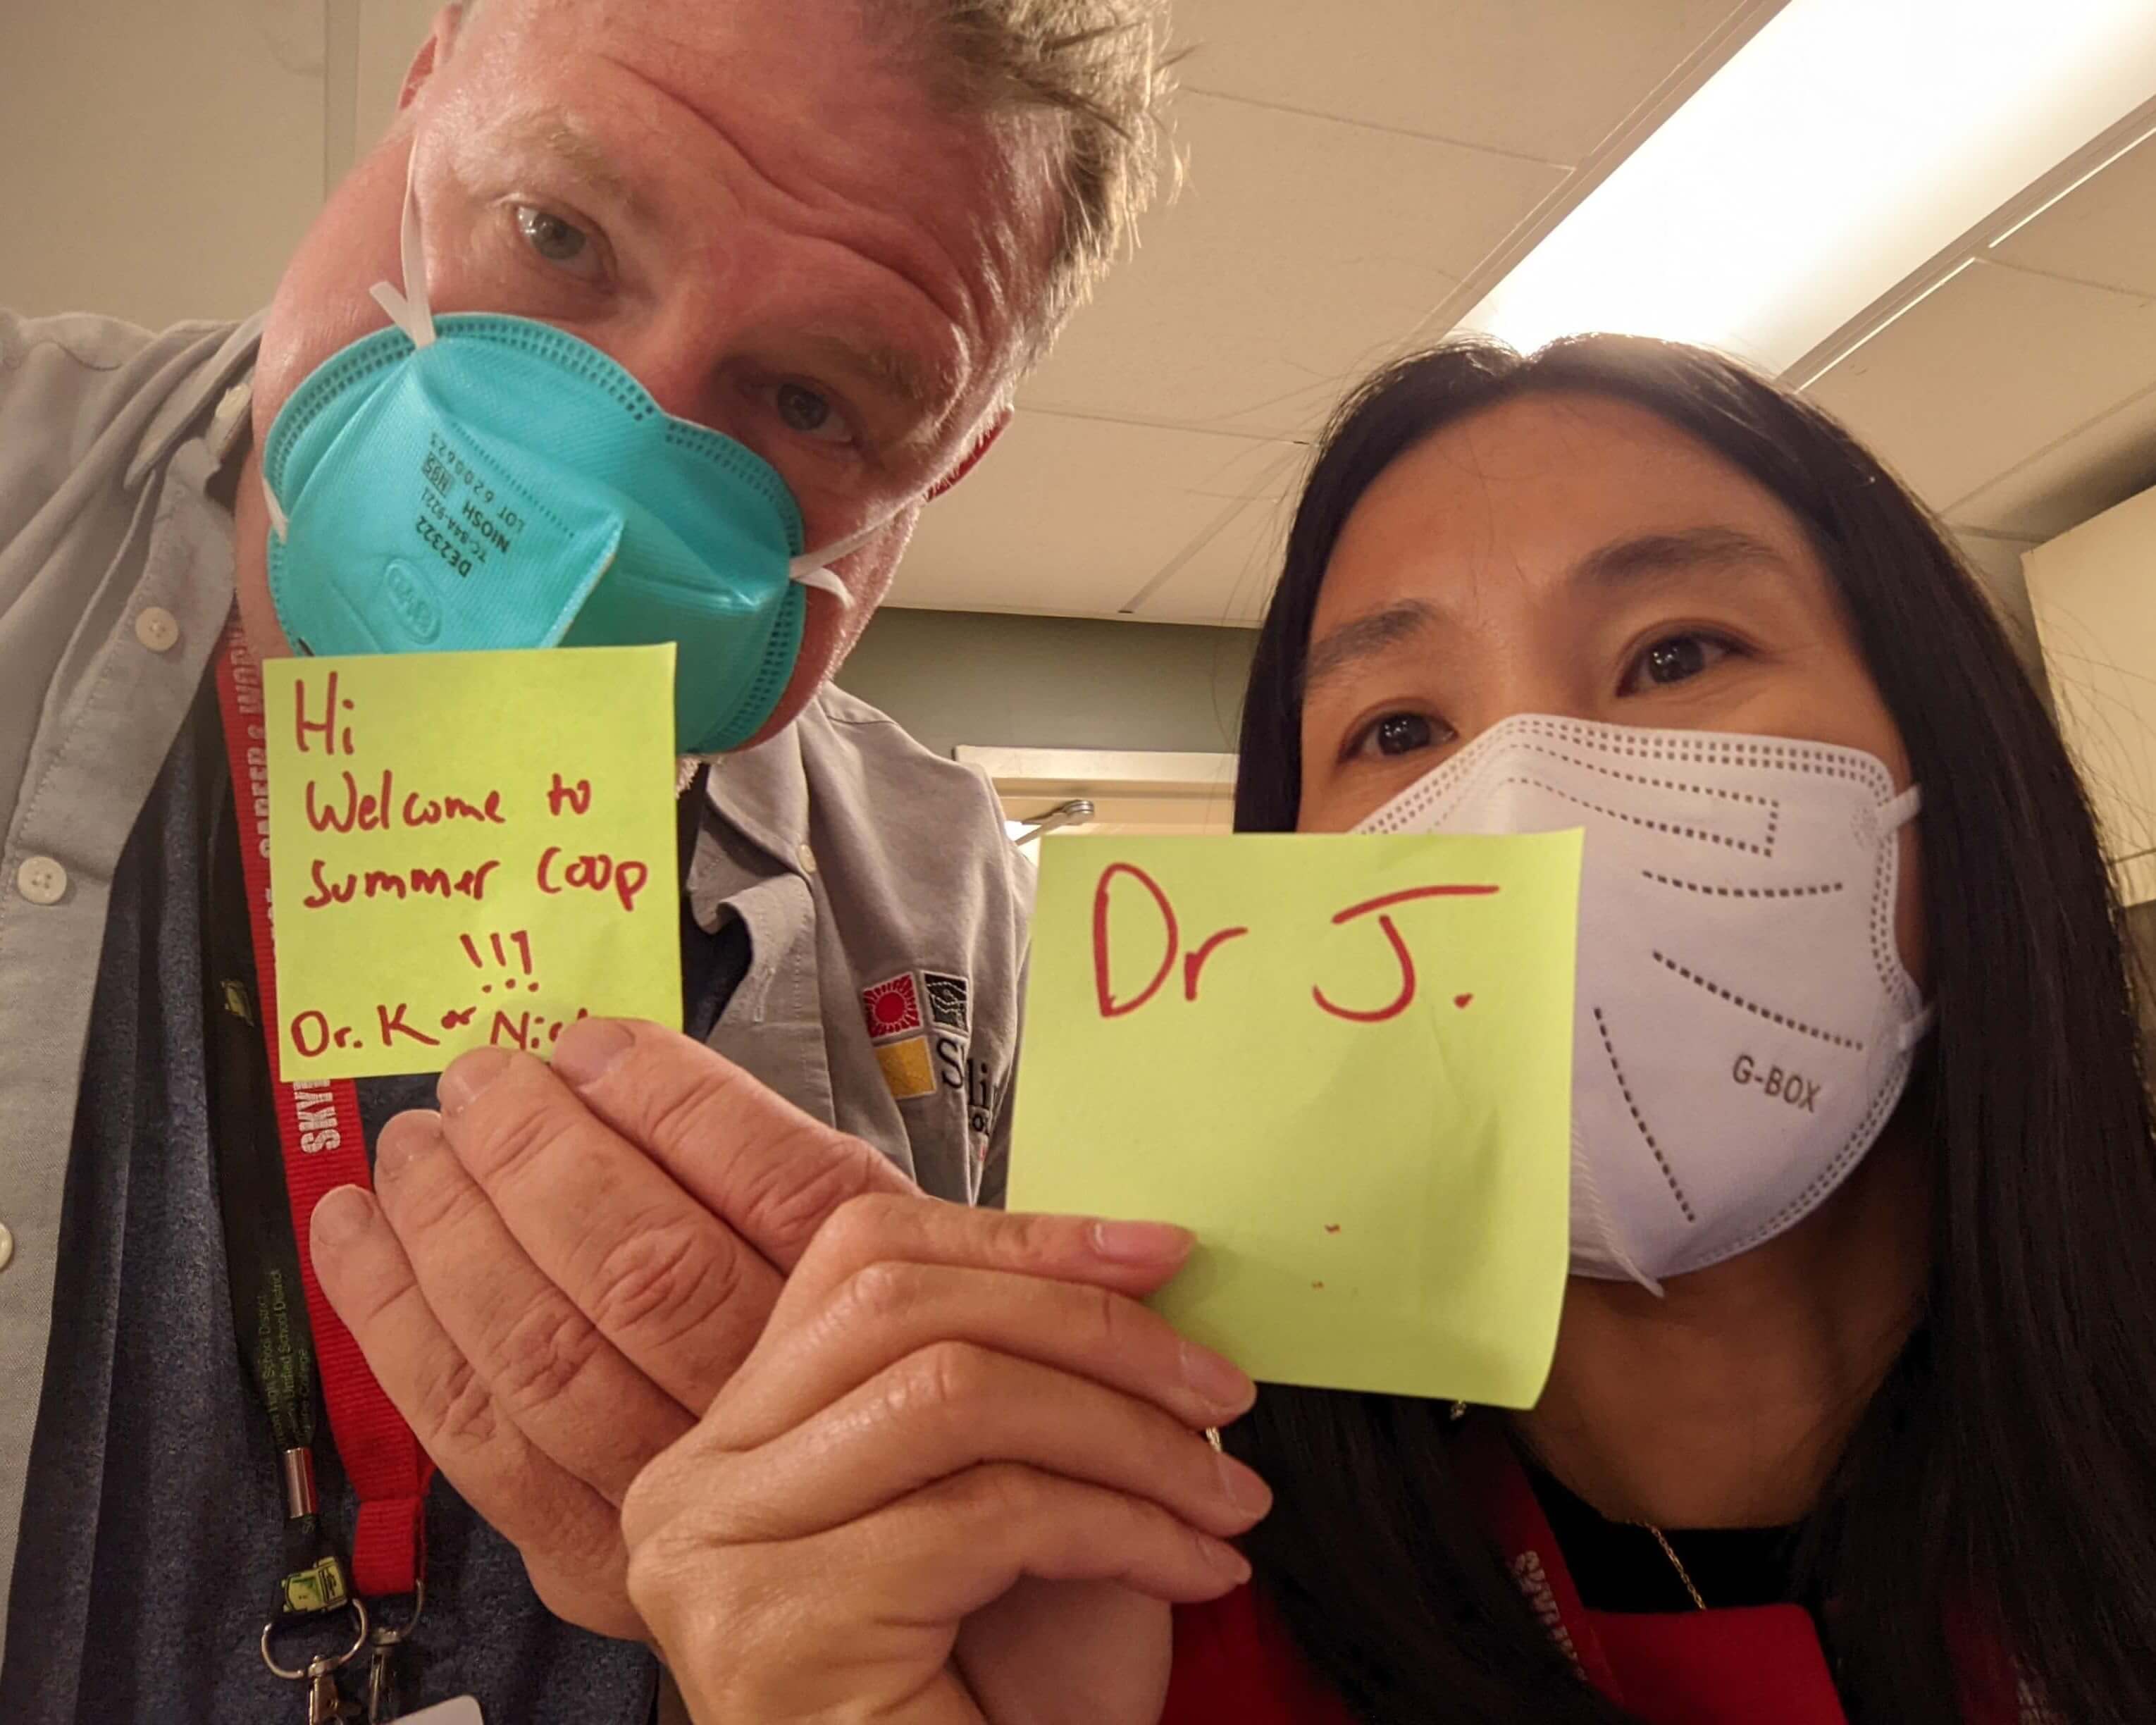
{"type": "Point", "coordinates": [886, 912]}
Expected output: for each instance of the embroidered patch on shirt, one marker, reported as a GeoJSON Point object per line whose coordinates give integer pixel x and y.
{"type": "Point", "coordinates": [948, 1001]}
{"type": "Point", "coordinates": [892, 1008]}
{"type": "Point", "coordinates": [906, 1068]}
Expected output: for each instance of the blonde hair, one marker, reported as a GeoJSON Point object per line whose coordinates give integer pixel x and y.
{"type": "Point", "coordinates": [1096, 71]}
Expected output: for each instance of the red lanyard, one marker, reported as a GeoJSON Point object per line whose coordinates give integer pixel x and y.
{"type": "Point", "coordinates": [1492, 1476]}
{"type": "Point", "coordinates": [318, 1126]}
{"type": "Point", "coordinates": [1764, 1660]}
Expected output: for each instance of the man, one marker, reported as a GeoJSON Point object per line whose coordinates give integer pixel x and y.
{"type": "Point", "coordinates": [835, 231]}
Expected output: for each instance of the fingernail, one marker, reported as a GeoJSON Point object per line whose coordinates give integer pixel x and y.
{"type": "Point", "coordinates": [405, 1138]}
{"type": "Point", "coordinates": [1249, 1493]}
{"type": "Point", "coordinates": [1230, 1561]}
{"type": "Point", "coordinates": [1141, 1242]}
{"type": "Point", "coordinates": [588, 1049]}
{"type": "Point", "coordinates": [344, 1213]}
{"type": "Point", "coordinates": [1217, 1381]}
{"type": "Point", "coordinates": [468, 1074]}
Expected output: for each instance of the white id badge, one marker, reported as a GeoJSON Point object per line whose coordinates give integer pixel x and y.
{"type": "Point", "coordinates": [463, 1711]}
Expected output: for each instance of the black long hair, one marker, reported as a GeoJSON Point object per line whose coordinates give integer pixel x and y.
{"type": "Point", "coordinates": [2006, 1470]}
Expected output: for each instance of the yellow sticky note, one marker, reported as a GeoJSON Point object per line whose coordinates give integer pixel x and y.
{"type": "Point", "coordinates": [1346, 1063]}
{"type": "Point", "coordinates": [467, 850]}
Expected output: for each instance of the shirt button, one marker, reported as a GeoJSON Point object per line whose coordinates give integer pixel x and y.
{"type": "Point", "coordinates": [808, 859]}
{"type": "Point", "coordinates": [7, 1246]}
{"type": "Point", "coordinates": [41, 881]}
{"type": "Point", "coordinates": [157, 629]}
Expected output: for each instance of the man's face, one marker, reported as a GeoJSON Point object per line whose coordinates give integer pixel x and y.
{"type": "Point", "coordinates": [759, 210]}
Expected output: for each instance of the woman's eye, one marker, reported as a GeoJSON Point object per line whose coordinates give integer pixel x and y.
{"type": "Point", "coordinates": [558, 241]}
{"type": "Point", "coordinates": [1400, 734]}
{"type": "Point", "coordinates": [803, 411]}
{"type": "Point", "coordinates": [1674, 658]}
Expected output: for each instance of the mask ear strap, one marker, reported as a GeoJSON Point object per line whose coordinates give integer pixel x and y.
{"type": "Point", "coordinates": [408, 310]}
{"type": "Point", "coordinates": [1894, 815]}
{"type": "Point", "coordinates": [1917, 1029]}
{"type": "Point", "coordinates": [1582, 1171]}
{"type": "Point", "coordinates": [279, 522]}
{"type": "Point", "coordinates": [814, 570]}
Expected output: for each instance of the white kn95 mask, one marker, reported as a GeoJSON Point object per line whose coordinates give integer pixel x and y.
{"type": "Point", "coordinates": [1743, 1024]}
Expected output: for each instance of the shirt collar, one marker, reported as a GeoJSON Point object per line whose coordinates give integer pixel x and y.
{"type": "Point", "coordinates": [763, 793]}
{"type": "Point", "coordinates": [232, 363]}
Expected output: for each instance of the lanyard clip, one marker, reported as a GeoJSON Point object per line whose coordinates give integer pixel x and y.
{"type": "Point", "coordinates": [380, 1669]}
{"type": "Point", "coordinates": [326, 1702]}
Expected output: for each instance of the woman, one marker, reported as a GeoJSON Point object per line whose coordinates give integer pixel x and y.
{"type": "Point", "coordinates": [1886, 1455]}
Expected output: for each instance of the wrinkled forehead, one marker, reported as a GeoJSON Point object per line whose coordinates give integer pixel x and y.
{"type": "Point", "coordinates": [833, 105]}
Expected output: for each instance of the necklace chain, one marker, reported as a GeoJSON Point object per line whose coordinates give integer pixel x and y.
{"type": "Point", "coordinates": [1669, 1551]}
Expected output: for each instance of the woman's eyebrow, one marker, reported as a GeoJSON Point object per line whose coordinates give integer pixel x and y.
{"type": "Point", "coordinates": [1650, 554]}
{"type": "Point", "coordinates": [1366, 636]}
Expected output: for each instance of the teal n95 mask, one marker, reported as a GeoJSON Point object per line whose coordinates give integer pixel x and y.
{"type": "Point", "coordinates": [1743, 1025]}
{"type": "Point", "coordinates": [484, 481]}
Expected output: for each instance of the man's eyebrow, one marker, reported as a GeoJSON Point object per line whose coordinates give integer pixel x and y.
{"type": "Point", "coordinates": [570, 144]}
{"type": "Point", "coordinates": [1649, 554]}
{"type": "Point", "coordinates": [925, 389]}
{"type": "Point", "coordinates": [1366, 636]}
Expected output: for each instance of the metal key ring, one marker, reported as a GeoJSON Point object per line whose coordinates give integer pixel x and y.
{"type": "Point", "coordinates": [315, 1667]}
{"type": "Point", "coordinates": [384, 1636]}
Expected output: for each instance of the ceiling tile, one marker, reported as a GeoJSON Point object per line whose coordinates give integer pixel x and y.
{"type": "Point", "coordinates": [2101, 231]}
{"type": "Point", "coordinates": [1226, 577]}
{"type": "Point", "coordinates": [1301, 251]}
{"type": "Point", "coordinates": [1993, 367]}
{"type": "Point", "coordinates": [2082, 474]}
{"type": "Point", "coordinates": [1545, 79]}
{"type": "Point", "coordinates": [1068, 517]}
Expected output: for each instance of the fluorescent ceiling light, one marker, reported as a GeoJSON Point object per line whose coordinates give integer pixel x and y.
{"type": "Point", "coordinates": [1844, 145]}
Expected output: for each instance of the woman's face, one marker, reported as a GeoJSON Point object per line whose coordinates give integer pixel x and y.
{"type": "Point", "coordinates": [1577, 555]}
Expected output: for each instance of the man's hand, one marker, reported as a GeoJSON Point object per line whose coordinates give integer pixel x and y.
{"type": "Point", "coordinates": [562, 1268]}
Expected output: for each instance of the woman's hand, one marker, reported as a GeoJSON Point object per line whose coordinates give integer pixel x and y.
{"type": "Point", "coordinates": [947, 1403]}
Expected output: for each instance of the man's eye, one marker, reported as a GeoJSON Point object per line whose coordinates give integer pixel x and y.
{"type": "Point", "coordinates": [556, 240]}
{"type": "Point", "coordinates": [1674, 658]}
{"type": "Point", "coordinates": [802, 410]}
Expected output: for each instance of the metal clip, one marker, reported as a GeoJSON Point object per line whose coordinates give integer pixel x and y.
{"type": "Point", "coordinates": [381, 1700]}
{"type": "Point", "coordinates": [326, 1702]}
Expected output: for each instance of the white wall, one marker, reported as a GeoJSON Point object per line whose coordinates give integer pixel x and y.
{"type": "Point", "coordinates": [164, 155]}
